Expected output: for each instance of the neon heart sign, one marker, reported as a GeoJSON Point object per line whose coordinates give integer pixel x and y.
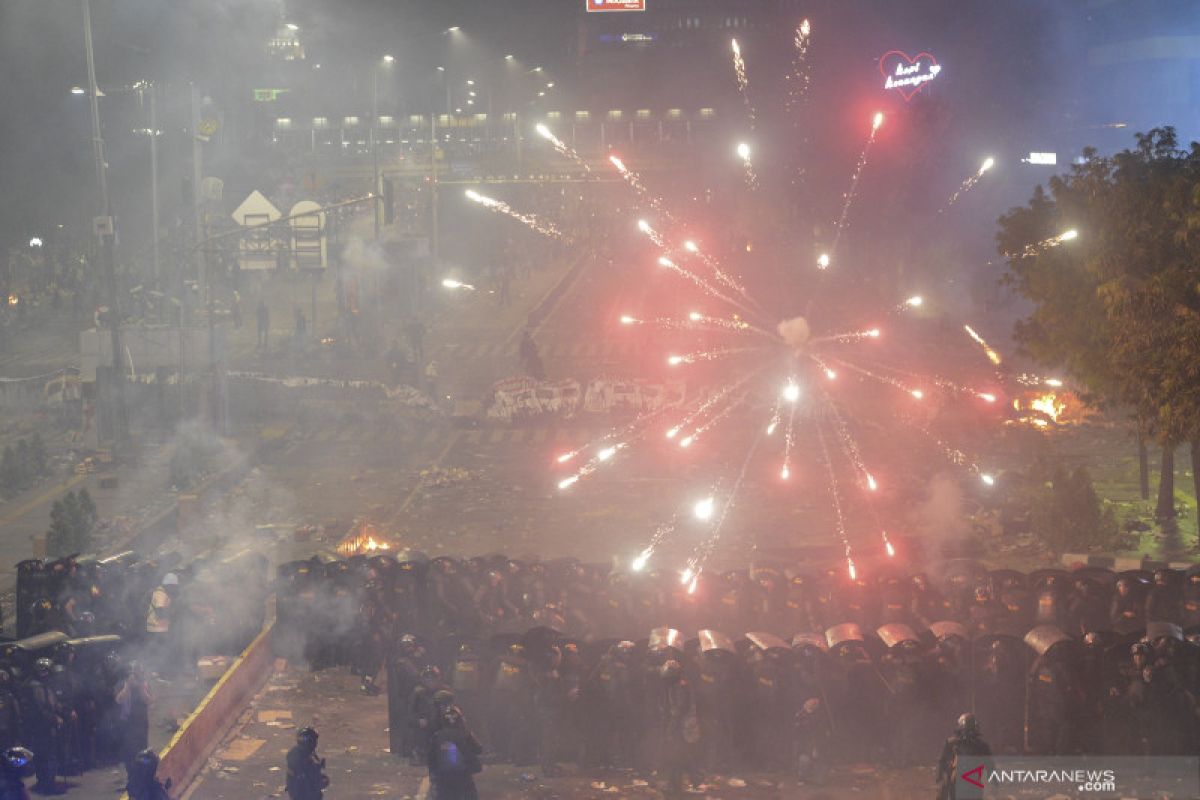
{"type": "Point", "coordinates": [907, 74]}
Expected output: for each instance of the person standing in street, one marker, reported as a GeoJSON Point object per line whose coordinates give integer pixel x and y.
{"type": "Point", "coordinates": [454, 758]}
{"type": "Point", "coordinates": [263, 317]}
{"type": "Point", "coordinates": [966, 741]}
{"type": "Point", "coordinates": [306, 778]}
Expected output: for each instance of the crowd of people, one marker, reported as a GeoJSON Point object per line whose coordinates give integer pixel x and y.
{"type": "Point", "coordinates": [563, 661]}
{"type": "Point", "coordinates": [92, 635]}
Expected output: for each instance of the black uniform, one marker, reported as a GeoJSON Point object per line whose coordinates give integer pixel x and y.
{"type": "Point", "coordinates": [965, 742]}
{"type": "Point", "coordinates": [306, 779]}
{"type": "Point", "coordinates": [454, 758]}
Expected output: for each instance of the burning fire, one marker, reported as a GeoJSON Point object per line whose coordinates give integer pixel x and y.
{"type": "Point", "coordinates": [363, 540]}
{"type": "Point", "coordinates": [13, 299]}
{"type": "Point", "coordinates": [1048, 408]}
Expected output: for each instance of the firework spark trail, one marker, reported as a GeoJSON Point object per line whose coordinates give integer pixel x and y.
{"type": "Point", "coordinates": [631, 429]}
{"type": "Point", "coordinates": [788, 442]}
{"type": "Point", "coordinates": [942, 383]}
{"type": "Point", "coordinates": [689, 439]}
{"type": "Point", "coordinates": [704, 322]}
{"type": "Point", "coordinates": [743, 151]}
{"type": "Point", "coordinates": [635, 182]}
{"type": "Point", "coordinates": [837, 503]}
{"type": "Point", "coordinates": [655, 236]}
{"type": "Point", "coordinates": [840, 226]}
{"type": "Point", "coordinates": [500, 207]}
{"type": "Point", "coordinates": [708, 355]}
{"type": "Point", "coordinates": [968, 184]}
{"type": "Point", "coordinates": [721, 275]}
{"type": "Point", "coordinates": [800, 78]}
{"type": "Point", "coordinates": [661, 534]}
{"type": "Point", "coordinates": [851, 336]}
{"type": "Point", "coordinates": [705, 286]}
{"type": "Point", "coordinates": [850, 446]}
{"type": "Point", "coordinates": [709, 403]}
{"type": "Point", "coordinates": [916, 301]}
{"type": "Point", "coordinates": [1037, 247]}
{"type": "Point", "coordinates": [702, 553]}
{"type": "Point", "coordinates": [829, 373]}
{"type": "Point", "coordinates": [743, 82]}
{"type": "Point", "coordinates": [561, 147]}
{"type": "Point", "coordinates": [917, 393]}
{"type": "Point", "coordinates": [952, 454]}
{"type": "Point", "coordinates": [992, 355]}
{"type": "Point", "coordinates": [775, 416]}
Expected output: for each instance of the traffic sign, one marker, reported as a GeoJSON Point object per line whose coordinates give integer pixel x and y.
{"type": "Point", "coordinates": [616, 5]}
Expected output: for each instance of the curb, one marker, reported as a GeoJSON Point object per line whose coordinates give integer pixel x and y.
{"type": "Point", "coordinates": [190, 748]}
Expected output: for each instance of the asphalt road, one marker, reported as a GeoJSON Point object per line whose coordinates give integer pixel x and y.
{"type": "Point", "coordinates": [353, 739]}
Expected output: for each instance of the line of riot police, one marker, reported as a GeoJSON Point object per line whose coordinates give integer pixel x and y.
{"type": "Point", "coordinates": [75, 683]}
{"type": "Point", "coordinates": [878, 667]}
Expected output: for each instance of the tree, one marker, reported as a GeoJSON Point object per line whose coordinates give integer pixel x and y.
{"type": "Point", "coordinates": [37, 448]}
{"type": "Point", "coordinates": [10, 473]}
{"type": "Point", "coordinates": [1119, 309]}
{"type": "Point", "coordinates": [72, 520]}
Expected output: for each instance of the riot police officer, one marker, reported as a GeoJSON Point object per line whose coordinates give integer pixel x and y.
{"type": "Point", "coordinates": [404, 673]}
{"type": "Point", "coordinates": [306, 778]}
{"type": "Point", "coordinates": [454, 757]}
{"type": "Point", "coordinates": [422, 706]}
{"type": "Point", "coordinates": [15, 765]}
{"type": "Point", "coordinates": [143, 782]}
{"type": "Point", "coordinates": [611, 700]}
{"type": "Point", "coordinates": [966, 741]}
{"type": "Point", "coordinates": [43, 720]}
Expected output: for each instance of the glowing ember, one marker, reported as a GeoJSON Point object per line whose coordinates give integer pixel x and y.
{"type": "Point", "coordinates": [1049, 405]}
{"type": "Point", "coordinates": [704, 509]}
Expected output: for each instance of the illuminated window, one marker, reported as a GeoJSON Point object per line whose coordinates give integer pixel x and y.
{"type": "Point", "coordinates": [416, 119]}
{"type": "Point", "coordinates": [614, 114]}
{"type": "Point", "coordinates": [320, 122]}
{"type": "Point", "coordinates": [283, 123]}
{"type": "Point", "coordinates": [481, 117]}
{"type": "Point", "coordinates": [707, 113]}
{"type": "Point", "coordinates": [510, 116]}
{"type": "Point", "coordinates": [554, 115]}
{"type": "Point", "coordinates": [350, 122]}
{"type": "Point", "coordinates": [675, 113]}
{"type": "Point", "coordinates": [582, 116]}
{"type": "Point", "coordinates": [386, 120]}
{"type": "Point", "coordinates": [643, 113]}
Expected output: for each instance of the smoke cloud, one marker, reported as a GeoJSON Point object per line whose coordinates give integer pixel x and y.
{"type": "Point", "coordinates": [942, 515]}
{"type": "Point", "coordinates": [795, 332]}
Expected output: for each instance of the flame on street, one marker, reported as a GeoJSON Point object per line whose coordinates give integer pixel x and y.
{"type": "Point", "coordinates": [363, 540]}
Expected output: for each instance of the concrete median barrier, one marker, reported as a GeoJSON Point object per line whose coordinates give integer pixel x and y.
{"type": "Point", "coordinates": [185, 755]}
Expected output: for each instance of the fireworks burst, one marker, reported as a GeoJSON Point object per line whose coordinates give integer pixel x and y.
{"type": "Point", "coordinates": [802, 370]}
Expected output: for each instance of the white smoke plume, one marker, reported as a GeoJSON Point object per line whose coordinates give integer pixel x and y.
{"type": "Point", "coordinates": [795, 332]}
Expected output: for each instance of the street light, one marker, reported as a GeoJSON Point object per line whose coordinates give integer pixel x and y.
{"type": "Point", "coordinates": [78, 90]}
{"type": "Point", "coordinates": [291, 26]}
{"type": "Point", "coordinates": [35, 242]}
{"type": "Point", "coordinates": [377, 186]}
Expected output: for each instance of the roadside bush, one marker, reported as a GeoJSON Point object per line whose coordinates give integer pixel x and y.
{"type": "Point", "coordinates": [1067, 514]}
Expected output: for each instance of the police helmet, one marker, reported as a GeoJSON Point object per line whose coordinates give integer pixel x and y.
{"type": "Point", "coordinates": [1140, 648]}
{"type": "Point", "coordinates": [307, 735]}
{"type": "Point", "coordinates": [147, 760]}
{"type": "Point", "coordinates": [18, 759]}
{"type": "Point", "coordinates": [516, 649]}
{"type": "Point", "coordinates": [967, 725]}
{"type": "Point", "coordinates": [443, 697]}
{"type": "Point", "coordinates": [671, 670]}
{"type": "Point", "coordinates": [43, 667]}
{"type": "Point", "coordinates": [431, 673]}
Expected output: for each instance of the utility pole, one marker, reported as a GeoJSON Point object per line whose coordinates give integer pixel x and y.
{"type": "Point", "coordinates": [204, 271]}
{"type": "Point", "coordinates": [154, 177]}
{"type": "Point", "coordinates": [433, 187]}
{"type": "Point", "coordinates": [106, 229]}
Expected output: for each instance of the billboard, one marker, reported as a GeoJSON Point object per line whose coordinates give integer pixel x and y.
{"type": "Point", "coordinates": [616, 5]}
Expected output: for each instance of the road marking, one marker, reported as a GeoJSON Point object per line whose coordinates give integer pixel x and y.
{"type": "Point", "coordinates": [34, 502]}
{"type": "Point", "coordinates": [423, 792]}
{"type": "Point", "coordinates": [437, 462]}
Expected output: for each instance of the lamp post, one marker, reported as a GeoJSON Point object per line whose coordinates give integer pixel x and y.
{"type": "Point", "coordinates": [377, 186]}
{"type": "Point", "coordinates": [104, 227]}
